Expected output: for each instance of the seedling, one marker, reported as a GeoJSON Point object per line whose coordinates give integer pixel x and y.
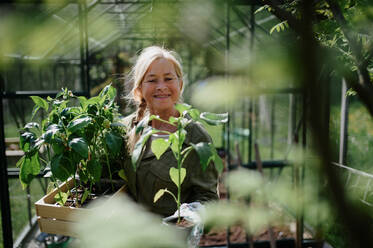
{"type": "Point", "coordinates": [206, 151]}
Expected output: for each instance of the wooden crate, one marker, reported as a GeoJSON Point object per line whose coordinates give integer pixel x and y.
{"type": "Point", "coordinates": [55, 219]}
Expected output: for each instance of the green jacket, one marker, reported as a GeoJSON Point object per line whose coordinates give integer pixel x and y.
{"type": "Point", "coordinates": [152, 175]}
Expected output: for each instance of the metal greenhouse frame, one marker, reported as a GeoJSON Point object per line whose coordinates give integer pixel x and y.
{"type": "Point", "coordinates": [77, 16]}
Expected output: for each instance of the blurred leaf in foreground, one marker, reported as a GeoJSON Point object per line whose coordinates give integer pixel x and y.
{"type": "Point", "coordinates": [119, 222]}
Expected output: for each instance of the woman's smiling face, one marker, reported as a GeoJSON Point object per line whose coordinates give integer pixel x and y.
{"type": "Point", "coordinates": [161, 86]}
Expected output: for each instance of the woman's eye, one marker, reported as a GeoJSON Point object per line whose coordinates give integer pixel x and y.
{"type": "Point", "coordinates": [168, 79]}
{"type": "Point", "coordinates": [152, 81]}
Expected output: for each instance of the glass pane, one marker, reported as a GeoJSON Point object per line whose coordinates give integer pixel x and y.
{"type": "Point", "coordinates": [20, 203]}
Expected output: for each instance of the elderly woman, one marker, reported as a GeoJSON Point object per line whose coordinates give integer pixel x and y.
{"type": "Point", "coordinates": [157, 86]}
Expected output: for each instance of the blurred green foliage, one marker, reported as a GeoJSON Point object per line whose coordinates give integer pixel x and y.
{"type": "Point", "coordinates": [197, 29]}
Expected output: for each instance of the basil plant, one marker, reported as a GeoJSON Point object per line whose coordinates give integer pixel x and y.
{"type": "Point", "coordinates": [74, 139]}
{"type": "Point", "coordinates": [206, 151]}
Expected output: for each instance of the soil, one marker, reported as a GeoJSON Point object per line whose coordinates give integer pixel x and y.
{"type": "Point", "coordinates": [184, 223]}
{"type": "Point", "coordinates": [216, 237]}
{"type": "Point", "coordinates": [74, 199]}
{"type": "Point", "coordinates": [238, 235]}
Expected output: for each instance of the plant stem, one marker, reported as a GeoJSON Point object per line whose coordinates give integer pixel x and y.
{"type": "Point", "coordinates": [53, 178]}
{"type": "Point", "coordinates": [179, 173]}
{"type": "Point", "coordinates": [57, 186]}
{"type": "Point", "coordinates": [44, 161]}
{"type": "Point", "coordinates": [167, 122]}
{"type": "Point", "coordinates": [67, 185]}
{"type": "Point", "coordinates": [76, 189]}
{"type": "Point", "coordinates": [108, 164]}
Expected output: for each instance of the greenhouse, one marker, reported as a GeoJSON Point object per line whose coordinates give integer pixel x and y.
{"type": "Point", "coordinates": [186, 123]}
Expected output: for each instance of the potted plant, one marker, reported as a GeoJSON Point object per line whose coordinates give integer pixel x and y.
{"type": "Point", "coordinates": [206, 151]}
{"type": "Point", "coordinates": [73, 142]}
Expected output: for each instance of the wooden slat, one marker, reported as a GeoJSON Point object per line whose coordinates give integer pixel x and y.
{"type": "Point", "coordinates": [61, 213]}
{"type": "Point", "coordinates": [57, 227]}
{"type": "Point", "coordinates": [46, 207]}
{"type": "Point", "coordinates": [49, 198]}
{"type": "Point", "coordinates": [120, 192]}
{"type": "Point", "coordinates": [55, 219]}
{"type": "Point", "coordinates": [16, 153]}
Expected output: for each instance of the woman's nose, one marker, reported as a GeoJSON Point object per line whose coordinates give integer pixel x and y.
{"type": "Point", "coordinates": [161, 84]}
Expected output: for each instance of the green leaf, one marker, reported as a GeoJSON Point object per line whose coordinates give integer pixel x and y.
{"type": "Point", "coordinates": [83, 101]}
{"type": "Point", "coordinates": [105, 90]}
{"type": "Point", "coordinates": [58, 146]}
{"type": "Point", "coordinates": [93, 110]}
{"type": "Point", "coordinates": [108, 92]}
{"type": "Point", "coordinates": [122, 175]}
{"type": "Point", "coordinates": [218, 162]}
{"type": "Point", "coordinates": [173, 138]}
{"type": "Point", "coordinates": [142, 124]}
{"type": "Point", "coordinates": [204, 152]}
{"type": "Point", "coordinates": [159, 146]}
{"type": "Point", "coordinates": [181, 107]}
{"type": "Point", "coordinates": [93, 100]}
{"type": "Point", "coordinates": [52, 130]}
{"type": "Point", "coordinates": [40, 102]}
{"type": "Point", "coordinates": [112, 93]}
{"type": "Point", "coordinates": [214, 119]}
{"type": "Point", "coordinates": [27, 141]}
{"type": "Point", "coordinates": [61, 167]}
{"type": "Point", "coordinates": [44, 123]}
{"type": "Point", "coordinates": [174, 175]}
{"type": "Point", "coordinates": [35, 164]}
{"type": "Point", "coordinates": [38, 143]}
{"type": "Point", "coordinates": [31, 125]}
{"type": "Point", "coordinates": [60, 93]}
{"type": "Point", "coordinates": [184, 122]}
{"type": "Point", "coordinates": [194, 113]}
{"type": "Point", "coordinates": [20, 161]}
{"type": "Point", "coordinates": [261, 9]}
{"type": "Point", "coordinates": [83, 176]}
{"type": "Point", "coordinates": [139, 146]}
{"type": "Point", "coordinates": [279, 26]}
{"type": "Point", "coordinates": [80, 146]}
{"type": "Point", "coordinates": [183, 134]}
{"type": "Point", "coordinates": [71, 112]}
{"type": "Point", "coordinates": [29, 168]}
{"type": "Point", "coordinates": [84, 196]}
{"type": "Point", "coordinates": [117, 124]}
{"type": "Point", "coordinates": [158, 195]}
{"type": "Point", "coordinates": [113, 142]}
{"type": "Point", "coordinates": [34, 111]}
{"type": "Point", "coordinates": [94, 169]}
{"type": "Point", "coordinates": [79, 123]}
{"type": "Point", "coordinates": [61, 198]}
{"type": "Point", "coordinates": [173, 120]}
{"type": "Point", "coordinates": [176, 140]}
{"type": "Point", "coordinates": [60, 104]}
{"type": "Point", "coordinates": [25, 176]}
